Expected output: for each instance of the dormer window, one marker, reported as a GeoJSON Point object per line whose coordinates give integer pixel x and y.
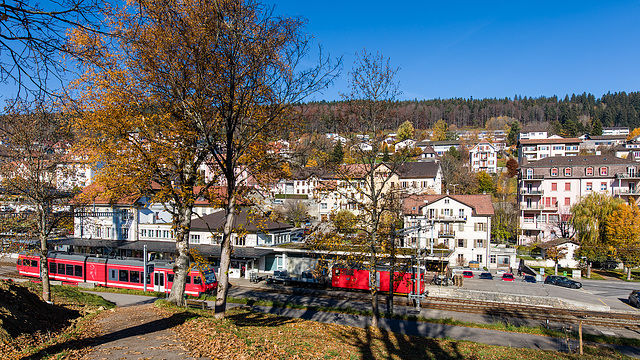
{"type": "Point", "coordinates": [554, 171]}
{"type": "Point", "coordinates": [567, 171]}
{"type": "Point", "coordinates": [589, 171]}
{"type": "Point", "coordinates": [603, 171]}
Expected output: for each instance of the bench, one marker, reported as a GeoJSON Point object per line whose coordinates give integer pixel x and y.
{"type": "Point", "coordinates": [198, 304]}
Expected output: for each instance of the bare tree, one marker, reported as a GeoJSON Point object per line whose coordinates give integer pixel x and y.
{"type": "Point", "coordinates": [33, 36]}
{"type": "Point", "coordinates": [37, 173]}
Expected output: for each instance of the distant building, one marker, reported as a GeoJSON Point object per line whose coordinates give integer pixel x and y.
{"type": "Point", "coordinates": [484, 157]}
{"type": "Point", "coordinates": [537, 149]}
{"type": "Point", "coordinates": [615, 131]}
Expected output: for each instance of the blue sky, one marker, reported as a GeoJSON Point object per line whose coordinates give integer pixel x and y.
{"type": "Point", "coordinates": [484, 49]}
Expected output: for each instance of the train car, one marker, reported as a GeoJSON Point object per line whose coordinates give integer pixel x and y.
{"type": "Point", "coordinates": [358, 279]}
{"type": "Point", "coordinates": [120, 273]}
{"type": "Point", "coordinates": [28, 265]}
{"type": "Point", "coordinates": [69, 268]}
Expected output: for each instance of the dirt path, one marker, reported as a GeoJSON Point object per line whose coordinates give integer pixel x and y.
{"type": "Point", "coordinates": [137, 332]}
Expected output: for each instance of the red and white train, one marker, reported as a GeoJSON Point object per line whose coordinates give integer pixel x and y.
{"type": "Point", "coordinates": [358, 279]}
{"type": "Point", "coordinates": [108, 272]}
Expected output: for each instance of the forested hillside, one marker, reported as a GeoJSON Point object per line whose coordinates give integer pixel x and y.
{"type": "Point", "coordinates": [571, 116]}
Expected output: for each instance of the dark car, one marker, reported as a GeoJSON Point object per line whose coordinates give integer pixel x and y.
{"type": "Point", "coordinates": [562, 281]}
{"type": "Point", "coordinates": [467, 274]}
{"type": "Point", "coordinates": [486, 275]}
{"type": "Point", "coordinates": [529, 279]}
{"type": "Point", "coordinates": [634, 298]}
{"type": "Point", "coordinates": [507, 277]}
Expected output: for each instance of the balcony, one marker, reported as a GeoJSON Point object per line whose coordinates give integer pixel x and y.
{"type": "Point", "coordinates": [531, 192]}
{"type": "Point", "coordinates": [443, 218]}
{"type": "Point", "coordinates": [524, 206]}
{"type": "Point", "coordinates": [446, 233]}
{"type": "Point", "coordinates": [626, 192]}
{"type": "Point", "coordinates": [532, 177]}
{"type": "Point", "coordinates": [635, 176]}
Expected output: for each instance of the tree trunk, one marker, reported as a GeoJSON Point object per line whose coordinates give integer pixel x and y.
{"type": "Point", "coordinates": [555, 268]}
{"type": "Point", "coordinates": [182, 227]}
{"type": "Point", "coordinates": [375, 320]}
{"type": "Point", "coordinates": [588, 270]}
{"type": "Point", "coordinates": [225, 261]}
{"type": "Point", "coordinates": [628, 272]}
{"type": "Point", "coordinates": [44, 258]}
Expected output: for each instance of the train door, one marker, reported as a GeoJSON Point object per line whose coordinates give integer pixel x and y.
{"type": "Point", "coordinates": [158, 281]}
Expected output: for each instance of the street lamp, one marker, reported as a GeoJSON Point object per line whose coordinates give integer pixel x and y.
{"type": "Point", "coordinates": [454, 188]}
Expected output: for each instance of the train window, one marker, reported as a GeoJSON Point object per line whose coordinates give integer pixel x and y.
{"type": "Point", "coordinates": [348, 272]}
{"type": "Point", "coordinates": [19, 262]}
{"type": "Point", "coordinates": [69, 269]}
{"type": "Point", "coordinates": [113, 274]}
{"type": "Point", "coordinates": [53, 267]}
{"type": "Point", "coordinates": [77, 270]}
{"type": "Point", "coordinates": [197, 280]}
{"type": "Point", "coordinates": [170, 278]}
{"type": "Point", "coordinates": [337, 271]}
{"type": "Point", "coordinates": [34, 263]}
{"type": "Point", "coordinates": [188, 279]}
{"type": "Point", "coordinates": [134, 277]}
{"type": "Point", "coordinates": [124, 275]}
{"type": "Point", "coordinates": [148, 278]}
{"type": "Point", "coordinates": [61, 269]}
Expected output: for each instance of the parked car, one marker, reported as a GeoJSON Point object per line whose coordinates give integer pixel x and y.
{"type": "Point", "coordinates": [634, 298]}
{"type": "Point", "coordinates": [562, 281]}
{"type": "Point", "coordinates": [467, 274]}
{"type": "Point", "coordinates": [486, 275]}
{"type": "Point", "coordinates": [529, 279]}
{"type": "Point", "coordinates": [507, 277]}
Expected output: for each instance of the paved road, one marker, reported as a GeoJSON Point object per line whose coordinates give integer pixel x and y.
{"type": "Point", "coordinates": [614, 293]}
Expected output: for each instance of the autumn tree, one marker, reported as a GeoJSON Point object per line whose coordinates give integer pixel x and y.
{"type": "Point", "coordinates": [440, 130]}
{"type": "Point", "coordinates": [294, 212]}
{"type": "Point", "coordinates": [589, 218]}
{"type": "Point", "coordinates": [623, 233]}
{"type": "Point", "coordinates": [555, 253]}
{"type": "Point", "coordinates": [512, 167]}
{"type": "Point", "coordinates": [485, 182]}
{"type": "Point", "coordinates": [405, 131]}
{"type": "Point", "coordinates": [38, 172]}
{"type": "Point", "coordinates": [187, 86]}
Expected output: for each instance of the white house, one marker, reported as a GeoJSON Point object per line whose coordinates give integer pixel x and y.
{"type": "Point", "coordinates": [459, 223]}
{"type": "Point", "coordinates": [484, 157]}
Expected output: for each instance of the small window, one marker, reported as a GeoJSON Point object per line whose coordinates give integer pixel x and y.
{"type": "Point", "coordinates": [554, 186]}
{"type": "Point", "coordinates": [188, 279]}
{"type": "Point", "coordinates": [170, 278]}
{"type": "Point", "coordinates": [554, 172]}
{"type": "Point", "coordinates": [134, 277]}
{"type": "Point", "coordinates": [53, 268]}
{"type": "Point", "coordinates": [589, 171]}
{"type": "Point", "coordinates": [567, 172]}
{"type": "Point", "coordinates": [337, 271]}
{"type": "Point", "coordinates": [61, 269]}
{"type": "Point", "coordinates": [123, 275]}
{"type": "Point", "coordinates": [567, 186]}
{"type": "Point", "coordinates": [113, 274]}
{"type": "Point", "coordinates": [197, 280]}
{"type": "Point", "coordinates": [34, 263]}
{"type": "Point", "coordinates": [589, 186]}
{"type": "Point", "coordinates": [77, 270]}
{"type": "Point", "coordinates": [603, 186]}
{"type": "Point", "coordinates": [69, 269]}
{"type": "Point", "coordinates": [567, 201]}
{"type": "Point", "coordinates": [603, 171]}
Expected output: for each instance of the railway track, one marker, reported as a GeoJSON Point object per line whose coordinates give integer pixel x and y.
{"type": "Point", "coordinates": [494, 310]}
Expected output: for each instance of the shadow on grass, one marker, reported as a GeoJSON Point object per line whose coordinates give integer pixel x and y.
{"type": "Point", "coordinates": [133, 331]}
{"type": "Point", "coordinates": [379, 344]}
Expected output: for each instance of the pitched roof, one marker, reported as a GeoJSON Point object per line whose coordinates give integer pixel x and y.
{"type": "Point", "coordinates": [481, 203]}
{"type": "Point", "coordinates": [420, 169]}
{"type": "Point", "coordinates": [249, 222]}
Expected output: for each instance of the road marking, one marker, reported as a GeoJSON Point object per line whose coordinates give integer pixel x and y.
{"type": "Point", "coordinates": [605, 304]}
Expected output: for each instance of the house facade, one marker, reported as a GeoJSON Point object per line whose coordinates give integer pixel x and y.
{"type": "Point", "coordinates": [536, 149]}
{"type": "Point", "coordinates": [549, 187]}
{"type": "Point", "coordinates": [458, 223]}
{"type": "Point", "coordinates": [484, 157]}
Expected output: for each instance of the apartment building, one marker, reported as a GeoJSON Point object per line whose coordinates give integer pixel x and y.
{"type": "Point", "coordinates": [536, 149]}
{"type": "Point", "coordinates": [484, 157]}
{"type": "Point", "coordinates": [549, 187]}
{"type": "Point", "coordinates": [459, 223]}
